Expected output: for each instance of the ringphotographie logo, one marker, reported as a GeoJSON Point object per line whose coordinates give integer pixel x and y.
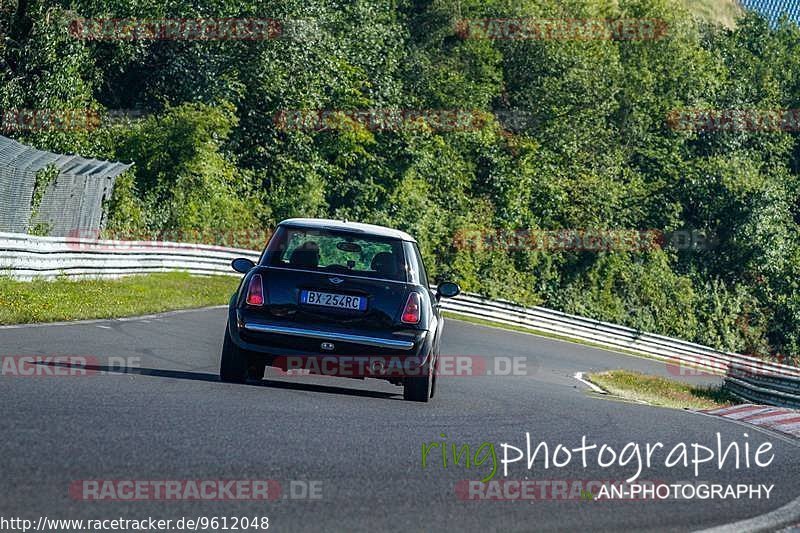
{"type": "Point", "coordinates": [491, 459]}
{"type": "Point", "coordinates": [562, 29]}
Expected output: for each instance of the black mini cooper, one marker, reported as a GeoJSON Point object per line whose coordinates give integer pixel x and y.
{"type": "Point", "coordinates": [337, 298]}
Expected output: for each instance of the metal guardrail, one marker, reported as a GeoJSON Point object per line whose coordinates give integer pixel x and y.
{"type": "Point", "coordinates": [75, 196]}
{"type": "Point", "coordinates": [26, 257]}
{"type": "Point", "coordinates": [687, 357]}
{"type": "Point", "coordinates": [772, 389]}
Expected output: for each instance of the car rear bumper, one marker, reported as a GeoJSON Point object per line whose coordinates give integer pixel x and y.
{"type": "Point", "coordinates": [334, 336]}
{"type": "Point", "coordinates": [274, 340]}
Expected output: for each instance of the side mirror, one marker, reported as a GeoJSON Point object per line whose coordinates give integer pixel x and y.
{"type": "Point", "coordinates": [448, 289]}
{"type": "Point", "coordinates": [242, 265]}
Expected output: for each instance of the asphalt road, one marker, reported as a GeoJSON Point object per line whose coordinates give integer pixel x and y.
{"type": "Point", "coordinates": [168, 418]}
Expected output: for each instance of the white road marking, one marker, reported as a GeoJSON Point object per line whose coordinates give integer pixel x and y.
{"type": "Point", "coordinates": [595, 388]}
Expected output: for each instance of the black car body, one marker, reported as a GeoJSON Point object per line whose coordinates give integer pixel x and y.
{"type": "Point", "coordinates": [337, 298]}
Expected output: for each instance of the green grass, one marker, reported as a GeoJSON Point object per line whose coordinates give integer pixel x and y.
{"type": "Point", "coordinates": [23, 302]}
{"type": "Point", "coordinates": [722, 12]}
{"type": "Point", "coordinates": [661, 391]}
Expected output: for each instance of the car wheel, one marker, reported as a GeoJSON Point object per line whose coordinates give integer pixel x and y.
{"type": "Point", "coordinates": [418, 388]}
{"type": "Point", "coordinates": [233, 365]}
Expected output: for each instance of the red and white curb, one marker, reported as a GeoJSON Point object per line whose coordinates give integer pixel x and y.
{"type": "Point", "coordinates": [778, 419]}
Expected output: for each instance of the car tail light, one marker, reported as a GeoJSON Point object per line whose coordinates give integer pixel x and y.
{"type": "Point", "coordinates": [411, 310]}
{"type": "Point", "coordinates": [255, 291]}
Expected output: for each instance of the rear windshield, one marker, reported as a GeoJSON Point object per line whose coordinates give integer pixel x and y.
{"type": "Point", "coordinates": [337, 253]}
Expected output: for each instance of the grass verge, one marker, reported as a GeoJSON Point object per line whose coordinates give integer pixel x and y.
{"type": "Point", "coordinates": [661, 391]}
{"type": "Point", "coordinates": [23, 302]}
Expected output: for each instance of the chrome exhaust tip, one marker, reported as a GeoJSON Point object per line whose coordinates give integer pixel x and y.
{"type": "Point", "coordinates": [377, 368]}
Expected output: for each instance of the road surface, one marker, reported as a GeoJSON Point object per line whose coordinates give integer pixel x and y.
{"type": "Point", "coordinates": [355, 444]}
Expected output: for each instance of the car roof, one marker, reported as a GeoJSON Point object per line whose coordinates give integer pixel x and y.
{"type": "Point", "coordinates": [356, 227]}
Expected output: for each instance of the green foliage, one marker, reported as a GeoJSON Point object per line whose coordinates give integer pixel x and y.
{"type": "Point", "coordinates": [43, 180]}
{"type": "Point", "coordinates": [616, 283]}
{"type": "Point", "coordinates": [567, 135]}
{"type": "Point", "coordinates": [128, 210]}
{"type": "Point", "coordinates": [183, 179]}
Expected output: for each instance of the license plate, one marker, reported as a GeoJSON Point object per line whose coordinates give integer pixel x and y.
{"type": "Point", "coordinates": [327, 299]}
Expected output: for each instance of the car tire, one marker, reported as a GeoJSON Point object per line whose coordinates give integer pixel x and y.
{"type": "Point", "coordinates": [257, 369]}
{"type": "Point", "coordinates": [418, 388]}
{"type": "Point", "coordinates": [233, 366]}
